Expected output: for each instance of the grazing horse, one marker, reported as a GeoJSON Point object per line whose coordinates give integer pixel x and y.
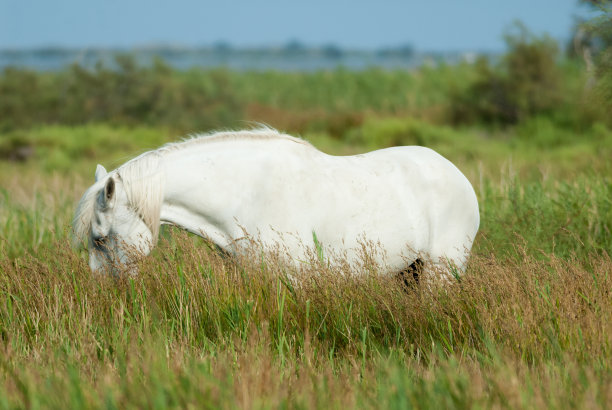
{"type": "Point", "coordinates": [410, 201]}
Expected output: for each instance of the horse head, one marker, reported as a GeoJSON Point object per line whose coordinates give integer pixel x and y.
{"type": "Point", "coordinates": [118, 236]}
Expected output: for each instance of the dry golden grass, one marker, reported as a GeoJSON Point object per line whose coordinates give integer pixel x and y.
{"type": "Point", "coordinates": [195, 328]}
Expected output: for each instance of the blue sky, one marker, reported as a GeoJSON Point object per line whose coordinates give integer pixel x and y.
{"type": "Point", "coordinates": [466, 25]}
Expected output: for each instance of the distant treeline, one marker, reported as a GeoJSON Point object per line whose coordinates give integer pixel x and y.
{"type": "Point", "coordinates": [290, 48]}
{"type": "Point", "coordinates": [529, 80]}
{"type": "Point", "coordinates": [293, 56]}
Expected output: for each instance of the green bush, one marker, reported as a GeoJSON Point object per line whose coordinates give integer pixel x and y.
{"type": "Point", "coordinates": [195, 100]}
{"type": "Point", "coordinates": [599, 48]}
{"type": "Point", "coordinates": [125, 94]}
{"type": "Point", "coordinates": [525, 82]}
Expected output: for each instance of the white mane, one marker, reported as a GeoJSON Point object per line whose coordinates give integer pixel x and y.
{"type": "Point", "coordinates": [263, 133]}
{"type": "Point", "coordinates": [143, 182]}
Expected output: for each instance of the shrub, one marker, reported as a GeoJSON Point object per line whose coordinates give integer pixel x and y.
{"type": "Point", "coordinates": [597, 50]}
{"type": "Point", "coordinates": [125, 94]}
{"type": "Point", "coordinates": [525, 82]}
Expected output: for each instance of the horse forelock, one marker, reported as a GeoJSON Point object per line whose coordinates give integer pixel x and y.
{"type": "Point", "coordinates": [81, 224]}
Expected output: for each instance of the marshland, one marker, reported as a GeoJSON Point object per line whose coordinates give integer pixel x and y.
{"type": "Point", "coordinates": [528, 325]}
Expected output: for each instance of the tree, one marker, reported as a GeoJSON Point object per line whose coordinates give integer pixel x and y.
{"type": "Point", "coordinates": [524, 82]}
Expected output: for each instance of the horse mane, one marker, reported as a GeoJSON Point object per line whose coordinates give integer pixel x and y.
{"type": "Point", "coordinates": [262, 133]}
{"type": "Point", "coordinates": [143, 179]}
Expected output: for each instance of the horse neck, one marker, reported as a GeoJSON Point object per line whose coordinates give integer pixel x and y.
{"type": "Point", "coordinates": [194, 194]}
{"type": "Point", "coordinates": [207, 186]}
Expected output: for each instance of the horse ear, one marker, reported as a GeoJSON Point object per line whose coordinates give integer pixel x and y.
{"type": "Point", "coordinates": [109, 190]}
{"type": "Point", "coordinates": [100, 172]}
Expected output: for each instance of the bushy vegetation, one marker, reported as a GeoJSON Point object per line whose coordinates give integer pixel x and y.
{"type": "Point", "coordinates": [597, 47]}
{"type": "Point", "coordinates": [524, 83]}
{"type": "Point", "coordinates": [123, 95]}
{"type": "Point", "coordinates": [204, 99]}
{"type": "Point", "coordinates": [531, 79]}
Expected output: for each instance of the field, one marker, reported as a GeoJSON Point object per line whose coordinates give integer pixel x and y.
{"type": "Point", "coordinates": [529, 325]}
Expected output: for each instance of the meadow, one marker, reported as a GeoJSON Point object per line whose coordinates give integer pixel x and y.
{"type": "Point", "coordinates": [529, 325]}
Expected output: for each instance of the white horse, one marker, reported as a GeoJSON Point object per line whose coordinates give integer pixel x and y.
{"type": "Point", "coordinates": [413, 203]}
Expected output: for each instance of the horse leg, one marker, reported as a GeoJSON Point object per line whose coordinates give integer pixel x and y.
{"type": "Point", "coordinates": [410, 275]}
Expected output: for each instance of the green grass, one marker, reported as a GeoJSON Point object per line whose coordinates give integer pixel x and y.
{"type": "Point", "coordinates": [527, 326]}
{"type": "Point", "coordinates": [534, 150]}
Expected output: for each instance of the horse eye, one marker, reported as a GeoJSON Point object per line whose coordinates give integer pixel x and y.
{"type": "Point", "coordinates": [99, 241]}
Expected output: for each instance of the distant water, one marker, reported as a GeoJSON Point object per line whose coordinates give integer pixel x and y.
{"type": "Point", "coordinates": [52, 59]}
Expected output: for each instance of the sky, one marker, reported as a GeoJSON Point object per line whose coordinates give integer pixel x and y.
{"type": "Point", "coordinates": [442, 25]}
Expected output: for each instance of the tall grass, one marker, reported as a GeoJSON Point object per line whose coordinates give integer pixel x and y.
{"type": "Point", "coordinates": [565, 219]}
{"type": "Point", "coordinates": [193, 328]}
{"type": "Point", "coordinates": [528, 325]}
